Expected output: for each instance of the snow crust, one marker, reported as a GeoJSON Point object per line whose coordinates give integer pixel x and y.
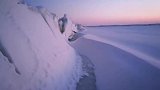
{"type": "Point", "coordinates": [34, 55]}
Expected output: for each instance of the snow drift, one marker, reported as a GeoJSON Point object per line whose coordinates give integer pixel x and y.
{"type": "Point", "coordinates": [34, 55]}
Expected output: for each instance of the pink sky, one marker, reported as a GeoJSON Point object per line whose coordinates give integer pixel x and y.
{"type": "Point", "coordinates": [97, 12]}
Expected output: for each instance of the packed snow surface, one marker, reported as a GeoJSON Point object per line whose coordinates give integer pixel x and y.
{"type": "Point", "coordinates": [125, 57]}
{"type": "Point", "coordinates": [34, 55]}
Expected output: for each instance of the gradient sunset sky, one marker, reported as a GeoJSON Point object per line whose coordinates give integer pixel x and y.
{"type": "Point", "coordinates": [102, 12]}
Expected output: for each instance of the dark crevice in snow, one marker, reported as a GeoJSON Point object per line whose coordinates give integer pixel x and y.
{"type": "Point", "coordinates": [75, 36]}
{"type": "Point", "coordinates": [29, 45]}
{"type": "Point", "coordinates": [47, 22]}
{"type": "Point", "coordinates": [5, 53]}
{"type": "Point", "coordinates": [21, 2]}
{"type": "Point", "coordinates": [17, 71]}
{"type": "Point", "coordinates": [88, 81]}
{"type": "Point", "coordinates": [43, 13]}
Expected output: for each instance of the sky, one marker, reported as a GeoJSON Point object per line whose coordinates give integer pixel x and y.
{"type": "Point", "coordinates": [105, 12]}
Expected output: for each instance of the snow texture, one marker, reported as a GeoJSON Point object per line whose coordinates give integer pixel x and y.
{"type": "Point", "coordinates": [34, 55]}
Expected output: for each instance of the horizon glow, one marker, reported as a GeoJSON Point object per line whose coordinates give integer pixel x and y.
{"type": "Point", "coordinates": [101, 12]}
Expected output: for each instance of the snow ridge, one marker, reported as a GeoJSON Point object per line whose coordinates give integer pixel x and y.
{"type": "Point", "coordinates": [34, 55]}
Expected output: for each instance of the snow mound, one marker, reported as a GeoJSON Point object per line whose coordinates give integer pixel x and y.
{"type": "Point", "coordinates": [34, 55]}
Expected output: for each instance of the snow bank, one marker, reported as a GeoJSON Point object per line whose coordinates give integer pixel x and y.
{"type": "Point", "coordinates": [70, 29]}
{"type": "Point", "coordinates": [34, 55]}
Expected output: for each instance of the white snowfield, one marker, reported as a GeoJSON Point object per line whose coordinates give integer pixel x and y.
{"type": "Point", "coordinates": [154, 61]}
{"type": "Point", "coordinates": [143, 44]}
{"type": "Point", "coordinates": [125, 57]}
{"type": "Point", "coordinates": [34, 55]}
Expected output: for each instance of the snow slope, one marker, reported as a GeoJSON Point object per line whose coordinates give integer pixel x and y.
{"type": "Point", "coordinates": [34, 55]}
{"type": "Point", "coordinates": [125, 57]}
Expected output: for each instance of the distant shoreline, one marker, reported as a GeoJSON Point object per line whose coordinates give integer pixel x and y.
{"type": "Point", "coordinates": [124, 25]}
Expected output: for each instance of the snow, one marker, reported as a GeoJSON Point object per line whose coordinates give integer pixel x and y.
{"type": "Point", "coordinates": [80, 27]}
{"type": "Point", "coordinates": [137, 38]}
{"type": "Point", "coordinates": [125, 57]}
{"type": "Point", "coordinates": [154, 61]}
{"type": "Point", "coordinates": [34, 55]}
{"type": "Point", "coordinates": [70, 29]}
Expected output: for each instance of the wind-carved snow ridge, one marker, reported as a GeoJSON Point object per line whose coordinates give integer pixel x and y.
{"type": "Point", "coordinates": [151, 60]}
{"type": "Point", "coordinates": [32, 46]}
